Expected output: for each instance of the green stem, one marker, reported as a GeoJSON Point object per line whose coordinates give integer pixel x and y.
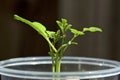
{"type": "Point", "coordinates": [52, 45]}
{"type": "Point", "coordinates": [63, 38]}
{"type": "Point", "coordinates": [63, 50]}
{"type": "Point", "coordinates": [58, 65]}
{"type": "Point", "coordinates": [53, 65]}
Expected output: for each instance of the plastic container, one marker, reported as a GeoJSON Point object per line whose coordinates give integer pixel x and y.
{"type": "Point", "coordinates": [73, 68]}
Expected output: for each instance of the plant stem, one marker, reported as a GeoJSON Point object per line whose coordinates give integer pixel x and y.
{"type": "Point", "coordinates": [53, 65]}
{"type": "Point", "coordinates": [58, 65]}
{"type": "Point", "coordinates": [52, 45]}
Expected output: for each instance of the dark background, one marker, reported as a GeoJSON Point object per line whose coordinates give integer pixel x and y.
{"type": "Point", "coordinates": [20, 40]}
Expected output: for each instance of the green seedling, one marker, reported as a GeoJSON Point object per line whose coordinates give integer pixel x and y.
{"type": "Point", "coordinates": [53, 37]}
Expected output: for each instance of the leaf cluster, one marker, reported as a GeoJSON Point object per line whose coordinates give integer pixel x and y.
{"type": "Point", "coordinates": [53, 37]}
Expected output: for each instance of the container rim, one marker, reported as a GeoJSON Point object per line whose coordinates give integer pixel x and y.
{"type": "Point", "coordinates": [115, 70]}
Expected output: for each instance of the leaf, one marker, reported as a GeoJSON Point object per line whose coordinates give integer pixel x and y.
{"type": "Point", "coordinates": [76, 32]}
{"type": "Point", "coordinates": [57, 36]}
{"type": "Point", "coordinates": [74, 43]}
{"type": "Point", "coordinates": [92, 29]}
{"type": "Point", "coordinates": [71, 42]}
{"type": "Point", "coordinates": [36, 25]}
{"type": "Point", "coordinates": [64, 21]}
{"type": "Point", "coordinates": [40, 28]}
{"type": "Point", "coordinates": [68, 27]}
{"type": "Point", "coordinates": [64, 26]}
{"type": "Point", "coordinates": [23, 20]}
{"type": "Point", "coordinates": [60, 25]}
{"type": "Point", "coordinates": [51, 34]}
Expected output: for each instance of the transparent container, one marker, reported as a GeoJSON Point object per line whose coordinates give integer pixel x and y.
{"type": "Point", "coordinates": [73, 68]}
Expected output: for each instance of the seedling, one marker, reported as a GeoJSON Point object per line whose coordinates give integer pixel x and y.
{"type": "Point", "coordinates": [60, 35]}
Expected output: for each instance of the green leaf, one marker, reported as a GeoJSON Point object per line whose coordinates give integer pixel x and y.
{"type": "Point", "coordinates": [64, 21]}
{"type": "Point", "coordinates": [92, 29]}
{"type": "Point", "coordinates": [68, 27]}
{"type": "Point", "coordinates": [24, 20]}
{"type": "Point", "coordinates": [51, 34]}
{"type": "Point", "coordinates": [71, 42]}
{"type": "Point", "coordinates": [60, 25]}
{"type": "Point", "coordinates": [76, 32]}
{"type": "Point", "coordinates": [36, 25]}
{"type": "Point", "coordinates": [57, 36]}
{"type": "Point", "coordinates": [75, 43]}
{"type": "Point", "coordinates": [63, 25]}
{"type": "Point", "coordinates": [40, 28]}
{"type": "Point", "coordinates": [46, 34]}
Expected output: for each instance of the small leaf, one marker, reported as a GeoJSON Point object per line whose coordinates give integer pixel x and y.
{"type": "Point", "coordinates": [51, 34]}
{"type": "Point", "coordinates": [68, 27]}
{"type": "Point", "coordinates": [60, 25]}
{"type": "Point", "coordinates": [76, 32]}
{"type": "Point", "coordinates": [74, 43]}
{"type": "Point", "coordinates": [57, 36]}
{"type": "Point", "coordinates": [40, 28]}
{"type": "Point", "coordinates": [64, 21]}
{"type": "Point", "coordinates": [92, 29]}
{"type": "Point", "coordinates": [71, 42]}
{"type": "Point", "coordinates": [63, 25]}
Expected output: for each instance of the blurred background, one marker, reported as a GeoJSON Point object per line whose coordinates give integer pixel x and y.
{"type": "Point", "coordinates": [20, 40]}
